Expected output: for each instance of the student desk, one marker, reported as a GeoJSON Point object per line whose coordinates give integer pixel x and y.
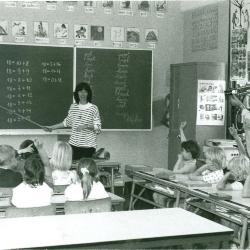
{"type": "Point", "coordinates": [236, 210]}
{"type": "Point", "coordinates": [154, 228]}
{"type": "Point", "coordinates": [238, 205]}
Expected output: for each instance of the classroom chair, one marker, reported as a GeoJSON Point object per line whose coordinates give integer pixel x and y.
{"type": "Point", "coordinates": [12, 212]}
{"type": "Point", "coordinates": [88, 206]}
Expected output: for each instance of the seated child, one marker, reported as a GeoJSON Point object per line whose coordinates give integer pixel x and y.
{"type": "Point", "coordinates": [238, 171]}
{"type": "Point", "coordinates": [212, 171]}
{"type": "Point", "coordinates": [33, 191]}
{"type": "Point", "coordinates": [186, 162]}
{"type": "Point", "coordinates": [8, 162]}
{"type": "Point", "coordinates": [60, 162]}
{"type": "Point", "coordinates": [87, 185]}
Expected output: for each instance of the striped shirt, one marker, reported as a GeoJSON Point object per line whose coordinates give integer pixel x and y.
{"type": "Point", "coordinates": [87, 114]}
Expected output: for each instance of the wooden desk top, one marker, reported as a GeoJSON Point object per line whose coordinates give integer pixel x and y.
{"type": "Point", "coordinates": [104, 227]}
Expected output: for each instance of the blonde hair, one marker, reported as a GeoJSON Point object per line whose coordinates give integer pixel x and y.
{"type": "Point", "coordinates": [217, 157]}
{"type": "Point", "coordinates": [61, 158]}
{"type": "Point", "coordinates": [239, 166]}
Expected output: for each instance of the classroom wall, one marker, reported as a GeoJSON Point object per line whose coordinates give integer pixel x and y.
{"type": "Point", "coordinates": [138, 147]}
{"type": "Point", "coordinates": [148, 147]}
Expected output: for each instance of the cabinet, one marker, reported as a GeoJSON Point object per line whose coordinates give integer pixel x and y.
{"type": "Point", "coordinates": [183, 104]}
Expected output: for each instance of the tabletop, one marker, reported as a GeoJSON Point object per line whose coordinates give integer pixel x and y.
{"type": "Point", "coordinates": [104, 227]}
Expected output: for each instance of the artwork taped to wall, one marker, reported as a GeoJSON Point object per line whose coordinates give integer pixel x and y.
{"type": "Point", "coordinates": [80, 31]}
{"type": "Point", "coordinates": [107, 4]}
{"type": "Point", "coordinates": [133, 35]}
{"type": "Point", "coordinates": [97, 33]}
{"type": "Point", "coordinates": [117, 34]}
{"type": "Point", "coordinates": [143, 6]}
{"type": "Point", "coordinates": [151, 35]}
{"type": "Point", "coordinates": [19, 28]}
{"type": "Point", "coordinates": [60, 30]}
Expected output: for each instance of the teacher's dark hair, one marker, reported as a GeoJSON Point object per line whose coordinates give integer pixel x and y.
{"type": "Point", "coordinates": [80, 86]}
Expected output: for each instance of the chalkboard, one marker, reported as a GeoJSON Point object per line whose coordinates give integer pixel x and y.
{"type": "Point", "coordinates": [35, 82]}
{"type": "Point", "coordinates": [121, 84]}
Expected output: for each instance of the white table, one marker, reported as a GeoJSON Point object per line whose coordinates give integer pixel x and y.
{"type": "Point", "coordinates": [127, 229]}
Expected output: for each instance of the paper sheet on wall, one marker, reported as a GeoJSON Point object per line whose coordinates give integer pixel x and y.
{"type": "Point", "coordinates": [211, 102]}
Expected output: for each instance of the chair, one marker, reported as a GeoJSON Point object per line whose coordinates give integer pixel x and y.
{"type": "Point", "coordinates": [88, 206]}
{"type": "Point", "coordinates": [12, 212]}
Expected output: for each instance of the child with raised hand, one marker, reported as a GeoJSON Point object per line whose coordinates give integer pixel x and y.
{"type": "Point", "coordinates": [61, 162]}
{"type": "Point", "coordinates": [33, 191]}
{"type": "Point", "coordinates": [87, 185]}
{"type": "Point", "coordinates": [212, 171]}
{"type": "Point", "coordinates": [238, 171]}
{"type": "Point", "coordinates": [186, 162]}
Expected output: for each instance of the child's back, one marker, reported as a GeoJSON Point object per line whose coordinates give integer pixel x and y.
{"type": "Point", "coordinates": [33, 191]}
{"type": "Point", "coordinates": [88, 185]}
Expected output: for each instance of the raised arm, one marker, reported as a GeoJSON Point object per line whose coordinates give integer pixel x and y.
{"type": "Point", "coordinates": [241, 148]}
{"type": "Point", "coordinates": [181, 128]}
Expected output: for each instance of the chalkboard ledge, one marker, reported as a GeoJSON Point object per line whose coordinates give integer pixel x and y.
{"type": "Point", "coordinates": [34, 132]}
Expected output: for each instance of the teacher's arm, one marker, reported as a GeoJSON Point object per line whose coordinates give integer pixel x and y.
{"type": "Point", "coordinates": [66, 123]}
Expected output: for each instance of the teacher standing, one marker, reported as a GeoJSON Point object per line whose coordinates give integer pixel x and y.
{"type": "Point", "coordinates": [84, 119]}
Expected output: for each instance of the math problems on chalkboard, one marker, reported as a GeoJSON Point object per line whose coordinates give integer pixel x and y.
{"type": "Point", "coordinates": [121, 83]}
{"type": "Point", "coordinates": [36, 82]}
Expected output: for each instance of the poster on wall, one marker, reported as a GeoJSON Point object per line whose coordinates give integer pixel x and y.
{"type": "Point", "coordinates": [238, 54]}
{"type": "Point", "coordinates": [239, 47]}
{"type": "Point", "coordinates": [211, 102]}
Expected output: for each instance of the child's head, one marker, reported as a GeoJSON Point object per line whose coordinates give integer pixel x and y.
{"type": "Point", "coordinates": [239, 166]}
{"type": "Point", "coordinates": [190, 150]}
{"type": "Point", "coordinates": [7, 156]}
{"type": "Point", "coordinates": [88, 173]}
{"type": "Point", "coordinates": [25, 144]}
{"type": "Point", "coordinates": [61, 158]}
{"type": "Point", "coordinates": [34, 172]}
{"type": "Point", "coordinates": [215, 156]}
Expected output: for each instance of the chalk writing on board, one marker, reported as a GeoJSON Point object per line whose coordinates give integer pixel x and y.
{"type": "Point", "coordinates": [88, 67]}
{"type": "Point", "coordinates": [205, 28]}
{"type": "Point", "coordinates": [18, 87]}
{"type": "Point", "coordinates": [121, 84]}
{"type": "Point", "coordinates": [51, 72]}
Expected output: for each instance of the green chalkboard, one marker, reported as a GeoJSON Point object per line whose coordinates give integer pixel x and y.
{"type": "Point", "coordinates": [36, 82]}
{"type": "Point", "coordinates": [121, 84]}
